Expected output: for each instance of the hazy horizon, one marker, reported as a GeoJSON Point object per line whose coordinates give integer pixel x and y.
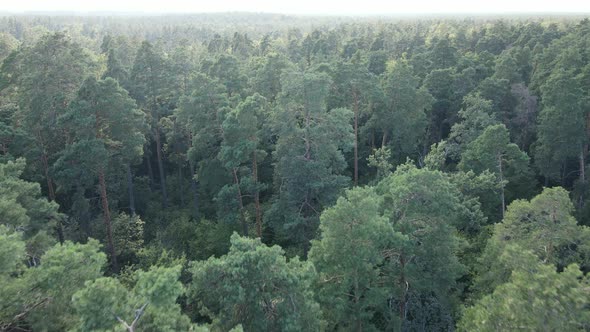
{"type": "Point", "coordinates": [302, 7]}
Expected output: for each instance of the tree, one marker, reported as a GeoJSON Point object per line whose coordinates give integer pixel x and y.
{"type": "Point", "coordinates": [545, 227]}
{"type": "Point", "coordinates": [354, 88]}
{"type": "Point", "coordinates": [441, 85]}
{"type": "Point", "coordinates": [535, 298]}
{"type": "Point", "coordinates": [241, 144]}
{"type": "Point", "coordinates": [476, 115]}
{"type": "Point", "coordinates": [106, 304]}
{"type": "Point", "coordinates": [254, 285]}
{"type": "Point", "coordinates": [402, 118]}
{"type": "Point", "coordinates": [50, 74]}
{"type": "Point", "coordinates": [499, 91]}
{"type": "Point", "coordinates": [425, 208]}
{"type": "Point", "coordinates": [227, 70]}
{"type": "Point", "coordinates": [354, 244]}
{"type": "Point", "coordinates": [563, 128]}
{"type": "Point", "coordinates": [23, 209]}
{"type": "Point", "coordinates": [116, 135]}
{"type": "Point", "coordinates": [309, 158]}
{"type": "Point", "coordinates": [202, 112]}
{"type": "Point", "coordinates": [39, 297]}
{"type": "Point", "coordinates": [149, 84]}
{"type": "Point", "coordinates": [64, 270]}
{"type": "Point", "coordinates": [7, 44]}
{"type": "Point", "coordinates": [12, 258]}
{"type": "Point", "coordinates": [267, 79]}
{"type": "Point", "coordinates": [493, 151]}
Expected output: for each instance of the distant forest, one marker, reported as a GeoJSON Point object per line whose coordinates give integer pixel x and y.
{"type": "Point", "coordinates": [265, 172]}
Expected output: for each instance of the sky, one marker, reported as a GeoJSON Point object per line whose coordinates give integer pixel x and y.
{"type": "Point", "coordinates": [308, 7]}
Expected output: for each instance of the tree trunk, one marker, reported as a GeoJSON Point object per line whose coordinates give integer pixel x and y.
{"type": "Point", "coordinates": [51, 192]}
{"type": "Point", "coordinates": [582, 160]}
{"type": "Point", "coordinates": [256, 196]}
{"type": "Point", "coordinates": [242, 216]}
{"type": "Point", "coordinates": [138, 313]}
{"type": "Point", "coordinates": [501, 175]}
{"type": "Point", "coordinates": [161, 168]}
{"type": "Point", "coordinates": [150, 171]}
{"type": "Point", "coordinates": [356, 136]}
{"type": "Point", "coordinates": [195, 190]}
{"type": "Point", "coordinates": [582, 176]}
{"type": "Point", "coordinates": [180, 182]}
{"type": "Point", "coordinates": [384, 140]}
{"type": "Point", "coordinates": [404, 286]}
{"type": "Point", "coordinates": [131, 191]}
{"type": "Point", "coordinates": [107, 219]}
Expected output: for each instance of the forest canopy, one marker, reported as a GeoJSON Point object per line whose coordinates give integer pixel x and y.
{"type": "Point", "coordinates": [262, 172]}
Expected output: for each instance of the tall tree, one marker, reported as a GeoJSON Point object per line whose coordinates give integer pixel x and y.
{"type": "Point", "coordinates": [149, 84]}
{"type": "Point", "coordinates": [242, 144]}
{"type": "Point", "coordinates": [564, 121]}
{"type": "Point", "coordinates": [201, 112]}
{"type": "Point", "coordinates": [116, 135]}
{"type": "Point", "coordinates": [476, 115]}
{"type": "Point", "coordinates": [309, 158]}
{"type": "Point", "coordinates": [494, 152]}
{"type": "Point", "coordinates": [354, 88]}
{"type": "Point", "coordinates": [50, 74]}
{"type": "Point", "coordinates": [402, 116]}
{"type": "Point", "coordinates": [355, 241]}
{"type": "Point", "coordinates": [424, 207]}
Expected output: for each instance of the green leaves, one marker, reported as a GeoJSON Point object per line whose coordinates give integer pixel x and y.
{"type": "Point", "coordinates": [22, 208]}
{"type": "Point", "coordinates": [545, 227]}
{"type": "Point", "coordinates": [40, 297]}
{"type": "Point", "coordinates": [425, 208]}
{"type": "Point", "coordinates": [355, 239]}
{"type": "Point", "coordinates": [106, 128]}
{"type": "Point", "coordinates": [402, 118]}
{"type": "Point", "coordinates": [536, 298]}
{"type": "Point", "coordinates": [105, 304]}
{"type": "Point", "coordinates": [64, 270]}
{"type": "Point", "coordinates": [309, 158]}
{"type": "Point", "coordinates": [254, 285]}
{"type": "Point", "coordinates": [492, 151]}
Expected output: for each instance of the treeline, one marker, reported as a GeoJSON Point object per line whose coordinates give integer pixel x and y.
{"type": "Point", "coordinates": [376, 175]}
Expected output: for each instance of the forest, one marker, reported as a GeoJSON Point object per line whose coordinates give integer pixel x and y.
{"type": "Point", "coordinates": [262, 172]}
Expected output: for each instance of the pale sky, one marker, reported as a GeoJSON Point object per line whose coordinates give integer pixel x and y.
{"type": "Point", "coordinates": [344, 7]}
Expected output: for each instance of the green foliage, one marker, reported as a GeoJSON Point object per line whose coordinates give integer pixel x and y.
{"type": "Point", "coordinates": [545, 227]}
{"type": "Point", "coordinates": [425, 208]}
{"type": "Point", "coordinates": [40, 297]}
{"type": "Point", "coordinates": [22, 208]}
{"type": "Point", "coordinates": [254, 285]}
{"type": "Point", "coordinates": [105, 301]}
{"type": "Point", "coordinates": [308, 156]}
{"type": "Point", "coordinates": [493, 151]}
{"type": "Point", "coordinates": [12, 258]}
{"type": "Point", "coordinates": [536, 297]}
{"type": "Point", "coordinates": [403, 116]}
{"type": "Point", "coordinates": [64, 270]}
{"type": "Point", "coordinates": [241, 120]}
{"type": "Point", "coordinates": [476, 116]}
{"type": "Point", "coordinates": [381, 160]}
{"type": "Point", "coordinates": [349, 257]}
